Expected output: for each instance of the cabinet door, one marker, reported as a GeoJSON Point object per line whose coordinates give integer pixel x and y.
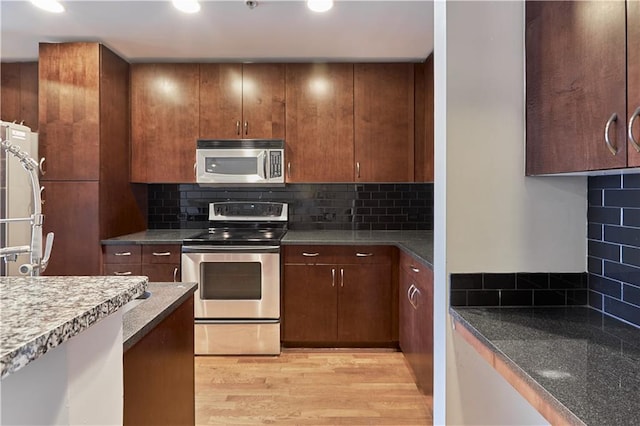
{"type": "Point", "coordinates": [384, 117]}
{"type": "Point", "coordinates": [76, 248]}
{"type": "Point", "coordinates": [164, 122]}
{"type": "Point", "coordinates": [633, 74]}
{"type": "Point", "coordinates": [424, 121]}
{"type": "Point", "coordinates": [19, 93]}
{"type": "Point", "coordinates": [575, 72]}
{"type": "Point", "coordinates": [319, 122]}
{"type": "Point", "coordinates": [263, 101]}
{"type": "Point", "coordinates": [220, 101]}
{"type": "Point", "coordinates": [422, 361]}
{"type": "Point", "coordinates": [406, 313]}
{"type": "Point", "coordinates": [309, 303]}
{"type": "Point", "coordinates": [69, 110]}
{"type": "Point", "coordinates": [162, 272]}
{"type": "Point", "coordinates": [364, 303]}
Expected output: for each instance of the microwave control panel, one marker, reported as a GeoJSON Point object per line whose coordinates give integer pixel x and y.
{"type": "Point", "coordinates": [276, 164]}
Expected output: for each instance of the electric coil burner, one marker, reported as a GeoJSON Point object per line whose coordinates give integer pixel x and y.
{"type": "Point", "coordinates": [237, 266]}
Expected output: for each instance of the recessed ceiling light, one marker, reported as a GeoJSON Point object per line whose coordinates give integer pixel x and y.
{"type": "Point", "coordinates": [186, 6]}
{"type": "Point", "coordinates": [49, 5]}
{"type": "Point", "coordinates": [319, 5]}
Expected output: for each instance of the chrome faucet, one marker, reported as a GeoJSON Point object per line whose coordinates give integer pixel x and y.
{"type": "Point", "coordinates": [37, 260]}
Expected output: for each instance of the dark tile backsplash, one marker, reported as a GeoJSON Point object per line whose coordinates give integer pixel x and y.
{"type": "Point", "coordinates": [311, 206]}
{"type": "Point", "coordinates": [521, 289]}
{"type": "Point", "coordinates": [613, 239]}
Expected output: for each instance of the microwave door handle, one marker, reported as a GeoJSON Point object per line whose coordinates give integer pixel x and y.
{"type": "Point", "coordinates": [265, 155]}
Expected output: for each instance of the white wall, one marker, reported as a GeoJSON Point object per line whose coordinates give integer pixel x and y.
{"type": "Point", "coordinates": [488, 216]}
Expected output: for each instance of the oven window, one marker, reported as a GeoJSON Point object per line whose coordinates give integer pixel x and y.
{"type": "Point", "coordinates": [231, 165]}
{"type": "Point", "coordinates": [231, 281]}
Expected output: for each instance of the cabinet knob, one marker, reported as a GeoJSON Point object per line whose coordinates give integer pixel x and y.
{"type": "Point", "coordinates": [357, 169]}
{"type": "Point", "coordinates": [238, 127]}
{"type": "Point", "coordinates": [333, 277]}
{"type": "Point", "coordinates": [414, 269]}
{"type": "Point", "coordinates": [632, 139]}
{"type": "Point", "coordinates": [341, 277]}
{"type": "Point", "coordinates": [607, 141]}
{"type": "Point", "coordinates": [246, 127]}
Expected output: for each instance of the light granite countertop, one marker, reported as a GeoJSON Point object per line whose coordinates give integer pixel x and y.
{"type": "Point", "coordinates": [40, 313]}
{"type": "Point", "coordinates": [581, 363]}
{"type": "Point", "coordinates": [164, 298]}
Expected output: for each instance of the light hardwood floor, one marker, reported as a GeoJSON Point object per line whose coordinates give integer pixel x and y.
{"type": "Point", "coordinates": [309, 388]}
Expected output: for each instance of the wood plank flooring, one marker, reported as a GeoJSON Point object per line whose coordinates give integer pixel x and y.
{"type": "Point", "coordinates": [309, 388]}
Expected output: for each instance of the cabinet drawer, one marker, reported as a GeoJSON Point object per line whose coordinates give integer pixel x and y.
{"type": "Point", "coordinates": [356, 255]}
{"type": "Point", "coordinates": [308, 255]}
{"type": "Point", "coordinates": [122, 269]}
{"type": "Point", "coordinates": [122, 254]}
{"type": "Point", "coordinates": [161, 253]}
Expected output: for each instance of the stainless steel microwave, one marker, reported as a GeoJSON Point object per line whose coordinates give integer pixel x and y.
{"type": "Point", "coordinates": [231, 162]}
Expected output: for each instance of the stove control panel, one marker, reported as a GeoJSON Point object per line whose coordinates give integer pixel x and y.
{"type": "Point", "coordinates": [248, 211]}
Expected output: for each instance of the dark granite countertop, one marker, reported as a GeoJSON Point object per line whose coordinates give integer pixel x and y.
{"type": "Point", "coordinates": [153, 236]}
{"type": "Point", "coordinates": [148, 313]}
{"type": "Point", "coordinates": [416, 243]}
{"type": "Point", "coordinates": [578, 360]}
{"type": "Point", "coordinates": [40, 313]}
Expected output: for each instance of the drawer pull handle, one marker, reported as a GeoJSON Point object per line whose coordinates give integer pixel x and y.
{"type": "Point", "coordinates": [333, 277]}
{"type": "Point", "coordinates": [165, 253]}
{"type": "Point", "coordinates": [409, 293]}
{"type": "Point", "coordinates": [310, 254]}
{"type": "Point", "coordinates": [122, 274]}
{"type": "Point", "coordinates": [414, 300]}
{"type": "Point", "coordinates": [414, 269]}
{"type": "Point", "coordinates": [175, 275]}
{"type": "Point", "coordinates": [124, 253]}
{"type": "Point", "coordinates": [364, 254]}
{"type": "Point", "coordinates": [341, 277]}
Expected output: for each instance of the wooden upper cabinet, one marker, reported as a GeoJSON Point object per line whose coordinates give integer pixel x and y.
{"type": "Point", "coordinates": [242, 101]}
{"type": "Point", "coordinates": [69, 110]}
{"type": "Point", "coordinates": [633, 78]}
{"type": "Point", "coordinates": [165, 106]}
{"type": "Point", "coordinates": [319, 117]}
{"type": "Point", "coordinates": [424, 121]}
{"type": "Point", "coordinates": [384, 118]}
{"type": "Point", "coordinates": [19, 93]}
{"type": "Point", "coordinates": [220, 101]}
{"type": "Point", "coordinates": [576, 83]}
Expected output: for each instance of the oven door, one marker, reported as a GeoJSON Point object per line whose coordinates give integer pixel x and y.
{"type": "Point", "coordinates": [234, 282]}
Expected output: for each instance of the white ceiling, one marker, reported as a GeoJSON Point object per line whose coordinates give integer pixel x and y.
{"type": "Point", "coordinates": [147, 31]}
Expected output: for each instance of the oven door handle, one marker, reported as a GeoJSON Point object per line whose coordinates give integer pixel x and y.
{"type": "Point", "coordinates": [230, 249]}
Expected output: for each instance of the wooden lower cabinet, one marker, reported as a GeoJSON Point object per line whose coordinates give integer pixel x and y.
{"type": "Point", "coordinates": [334, 297]}
{"type": "Point", "coordinates": [159, 262]}
{"type": "Point", "coordinates": [159, 380]}
{"type": "Point", "coordinates": [416, 319]}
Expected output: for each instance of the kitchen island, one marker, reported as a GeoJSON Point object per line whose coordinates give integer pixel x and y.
{"type": "Point", "coordinates": [61, 348]}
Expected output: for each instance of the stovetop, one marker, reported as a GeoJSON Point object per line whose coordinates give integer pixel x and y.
{"type": "Point", "coordinates": [243, 223]}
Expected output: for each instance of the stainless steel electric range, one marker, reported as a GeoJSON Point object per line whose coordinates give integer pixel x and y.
{"type": "Point", "coordinates": [236, 263]}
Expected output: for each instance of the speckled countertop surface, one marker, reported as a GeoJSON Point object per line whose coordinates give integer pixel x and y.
{"type": "Point", "coordinates": [578, 359]}
{"type": "Point", "coordinates": [153, 236]}
{"type": "Point", "coordinates": [417, 243]}
{"type": "Point", "coordinates": [40, 313]}
{"type": "Point", "coordinates": [141, 319]}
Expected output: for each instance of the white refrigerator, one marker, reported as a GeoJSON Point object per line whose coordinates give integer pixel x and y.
{"type": "Point", "coordinates": [15, 193]}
